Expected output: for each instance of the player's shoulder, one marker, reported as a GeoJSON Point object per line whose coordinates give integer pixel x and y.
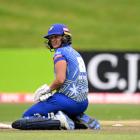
{"type": "Point", "coordinates": [59, 52]}
{"type": "Point", "coordinates": [62, 50]}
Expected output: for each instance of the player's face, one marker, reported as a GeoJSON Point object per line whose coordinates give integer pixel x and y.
{"type": "Point", "coordinates": [56, 41]}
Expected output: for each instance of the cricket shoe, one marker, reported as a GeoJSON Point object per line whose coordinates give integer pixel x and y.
{"type": "Point", "coordinates": [89, 122]}
{"type": "Point", "coordinates": [65, 121]}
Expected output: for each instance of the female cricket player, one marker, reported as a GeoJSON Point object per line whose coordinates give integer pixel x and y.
{"type": "Point", "coordinates": [70, 83]}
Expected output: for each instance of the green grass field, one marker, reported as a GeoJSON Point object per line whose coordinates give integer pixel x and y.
{"type": "Point", "coordinates": [24, 70]}
{"type": "Point", "coordinates": [102, 112]}
{"type": "Point", "coordinates": [25, 64]}
{"type": "Point", "coordinates": [95, 24]}
{"type": "Point", "coordinates": [126, 114]}
{"type": "Point", "coordinates": [68, 135]}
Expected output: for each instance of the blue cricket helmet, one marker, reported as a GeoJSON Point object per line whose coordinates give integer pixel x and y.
{"type": "Point", "coordinates": [58, 29]}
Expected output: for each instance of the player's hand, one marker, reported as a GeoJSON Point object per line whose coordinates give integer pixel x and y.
{"type": "Point", "coordinates": [42, 93]}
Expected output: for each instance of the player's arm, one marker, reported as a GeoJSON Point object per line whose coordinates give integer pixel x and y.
{"type": "Point", "coordinates": [44, 91]}
{"type": "Point", "coordinates": [60, 69]}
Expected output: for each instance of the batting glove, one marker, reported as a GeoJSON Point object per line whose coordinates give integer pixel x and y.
{"type": "Point", "coordinates": [42, 93]}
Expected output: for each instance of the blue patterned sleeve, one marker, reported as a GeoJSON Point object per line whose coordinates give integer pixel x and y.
{"type": "Point", "coordinates": [58, 56]}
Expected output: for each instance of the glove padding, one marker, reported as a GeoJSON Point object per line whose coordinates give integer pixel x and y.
{"type": "Point", "coordinates": [42, 93]}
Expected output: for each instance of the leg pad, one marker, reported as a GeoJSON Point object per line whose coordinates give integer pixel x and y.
{"type": "Point", "coordinates": [36, 124]}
